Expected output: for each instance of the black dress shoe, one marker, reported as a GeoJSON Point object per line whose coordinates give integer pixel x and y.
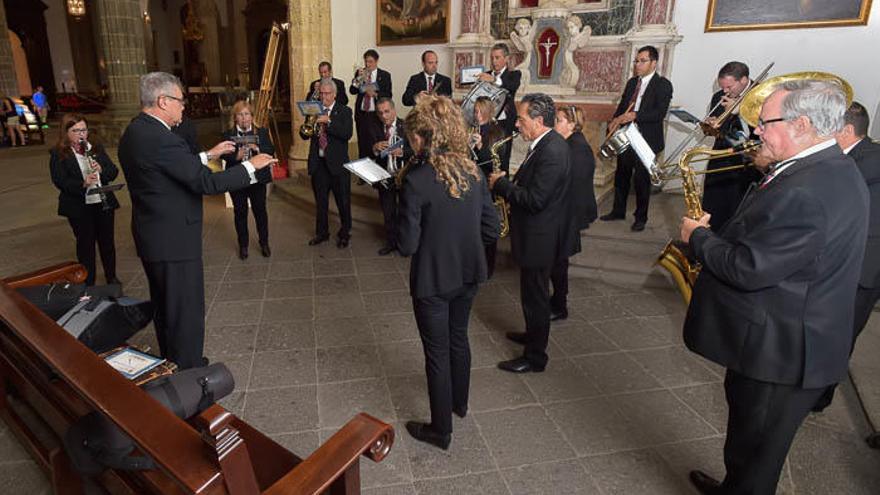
{"type": "Point", "coordinates": [519, 365]}
{"type": "Point", "coordinates": [113, 281]}
{"type": "Point", "coordinates": [518, 337]}
{"type": "Point", "coordinates": [265, 251]}
{"type": "Point", "coordinates": [318, 239]}
{"type": "Point", "coordinates": [610, 217]}
{"type": "Point", "coordinates": [386, 250]}
{"type": "Point", "coordinates": [704, 483]}
{"type": "Point", "coordinates": [461, 412]}
{"type": "Point", "coordinates": [342, 242]}
{"type": "Point", "coordinates": [562, 315]}
{"type": "Point", "coordinates": [243, 252]}
{"type": "Point", "coordinates": [424, 433]}
{"type": "Point", "coordinates": [637, 226]}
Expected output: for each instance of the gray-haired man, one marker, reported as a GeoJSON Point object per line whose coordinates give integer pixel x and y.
{"type": "Point", "coordinates": [166, 181]}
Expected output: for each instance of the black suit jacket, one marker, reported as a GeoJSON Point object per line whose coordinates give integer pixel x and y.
{"type": "Point", "coordinates": [774, 299]}
{"type": "Point", "coordinates": [510, 80]}
{"type": "Point", "coordinates": [652, 110]}
{"type": "Point", "coordinates": [540, 214]}
{"type": "Point", "coordinates": [383, 81]}
{"type": "Point", "coordinates": [166, 182]}
{"type": "Point", "coordinates": [378, 134]}
{"type": "Point", "coordinates": [263, 175]}
{"type": "Point", "coordinates": [444, 235]}
{"type": "Point", "coordinates": [338, 134]}
{"type": "Point", "coordinates": [867, 157]}
{"type": "Point", "coordinates": [187, 130]}
{"type": "Point", "coordinates": [341, 97]}
{"type": "Point", "coordinates": [67, 177]}
{"type": "Point", "coordinates": [418, 83]}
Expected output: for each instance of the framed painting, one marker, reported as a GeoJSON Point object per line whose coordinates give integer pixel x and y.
{"type": "Point", "coordinates": [412, 22]}
{"type": "Point", "coordinates": [738, 15]}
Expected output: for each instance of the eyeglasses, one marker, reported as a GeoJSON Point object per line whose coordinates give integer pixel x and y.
{"type": "Point", "coordinates": [78, 130]}
{"type": "Point", "coordinates": [642, 61]}
{"type": "Point", "coordinates": [763, 123]}
{"type": "Point", "coordinates": [182, 101]}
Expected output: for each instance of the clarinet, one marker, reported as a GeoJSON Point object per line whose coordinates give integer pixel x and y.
{"type": "Point", "coordinates": [93, 167]}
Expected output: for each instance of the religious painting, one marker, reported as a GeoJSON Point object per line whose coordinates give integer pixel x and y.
{"type": "Point", "coordinates": [737, 15]}
{"type": "Point", "coordinates": [412, 22]}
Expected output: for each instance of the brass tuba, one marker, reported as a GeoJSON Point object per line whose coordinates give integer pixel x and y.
{"type": "Point", "coordinates": [673, 258]}
{"type": "Point", "coordinates": [501, 205]}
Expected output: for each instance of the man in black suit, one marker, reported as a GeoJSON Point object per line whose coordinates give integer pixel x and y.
{"type": "Point", "coordinates": [328, 151]}
{"type": "Point", "coordinates": [506, 78]}
{"type": "Point", "coordinates": [645, 101]}
{"type": "Point", "coordinates": [325, 70]}
{"type": "Point", "coordinates": [540, 223]}
{"type": "Point", "coordinates": [774, 300]}
{"type": "Point", "coordinates": [427, 81]}
{"type": "Point", "coordinates": [390, 131]}
{"type": "Point", "coordinates": [166, 182]}
{"type": "Point", "coordinates": [722, 192]}
{"type": "Point", "coordinates": [369, 84]}
{"type": "Point", "coordinates": [854, 141]}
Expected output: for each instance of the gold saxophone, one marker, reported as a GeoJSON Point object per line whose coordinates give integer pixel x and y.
{"type": "Point", "coordinates": [501, 205]}
{"type": "Point", "coordinates": [673, 258]}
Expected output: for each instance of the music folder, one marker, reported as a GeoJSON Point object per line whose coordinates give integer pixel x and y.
{"type": "Point", "coordinates": [368, 170]}
{"type": "Point", "coordinates": [105, 189]}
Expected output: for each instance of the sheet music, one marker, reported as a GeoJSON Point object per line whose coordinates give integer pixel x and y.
{"type": "Point", "coordinates": [641, 147]}
{"type": "Point", "coordinates": [368, 170]}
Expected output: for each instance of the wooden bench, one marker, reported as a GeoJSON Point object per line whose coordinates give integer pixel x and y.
{"type": "Point", "coordinates": [48, 380]}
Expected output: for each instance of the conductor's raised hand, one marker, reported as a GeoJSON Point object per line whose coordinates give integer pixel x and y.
{"type": "Point", "coordinates": [222, 148]}
{"type": "Point", "coordinates": [262, 160]}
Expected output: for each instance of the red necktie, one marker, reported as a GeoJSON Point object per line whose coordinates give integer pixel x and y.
{"type": "Point", "coordinates": [322, 134]}
{"type": "Point", "coordinates": [635, 95]}
{"type": "Point", "coordinates": [387, 133]}
{"type": "Point", "coordinates": [430, 83]}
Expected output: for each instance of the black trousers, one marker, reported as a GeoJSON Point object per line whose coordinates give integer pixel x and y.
{"type": "Point", "coordinates": [559, 278]}
{"type": "Point", "coordinates": [323, 182]}
{"type": "Point", "coordinates": [491, 251]}
{"type": "Point", "coordinates": [95, 225]}
{"type": "Point", "coordinates": [177, 289]}
{"type": "Point", "coordinates": [534, 290]}
{"type": "Point", "coordinates": [761, 423]}
{"type": "Point", "coordinates": [443, 325]}
{"type": "Point", "coordinates": [366, 125]}
{"type": "Point", "coordinates": [256, 193]}
{"type": "Point", "coordinates": [388, 199]}
{"type": "Point", "coordinates": [628, 165]}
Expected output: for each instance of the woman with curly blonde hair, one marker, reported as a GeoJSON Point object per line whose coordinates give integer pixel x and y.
{"type": "Point", "coordinates": [446, 216]}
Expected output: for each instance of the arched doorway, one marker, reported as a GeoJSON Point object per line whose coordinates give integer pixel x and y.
{"type": "Point", "coordinates": [19, 59]}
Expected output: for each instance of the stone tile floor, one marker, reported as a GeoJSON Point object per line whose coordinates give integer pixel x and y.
{"type": "Point", "coordinates": [315, 335]}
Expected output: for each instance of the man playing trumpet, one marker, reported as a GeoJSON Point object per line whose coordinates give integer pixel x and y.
{"type": "Point", "coordinates": [369, 84]}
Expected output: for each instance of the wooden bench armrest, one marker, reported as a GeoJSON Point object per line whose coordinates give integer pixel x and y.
{"type": "Point", "coordinates": [363, 435]}
{"type": "Point", "coordinates": [68, 272]}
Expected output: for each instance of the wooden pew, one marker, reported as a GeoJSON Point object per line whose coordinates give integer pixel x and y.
{"type": "Point", "coordinates": [48, 380]}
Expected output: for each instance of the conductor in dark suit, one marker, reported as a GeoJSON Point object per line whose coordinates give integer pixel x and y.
{"type": "Point", "coordinates": [166, 182]}
{"type": "Point", "coordinates": [242, 126]}
{"type": "Point", "coordinates": [328, 151]}
{"type": "Point", "coordinates": [429, 81]}
{"type": "Point", "coordinates": [325, 70]}
{"type": "Point", "coordinates": [76, 166]}
{"type": "Point", "coordinates": [645, 101]}
{"type": "Point", "coordinates": [540, 223]}
{"type": "Point", "coordinates": [505, 78]}
{"type": "Point", "coordinates": [854, 141]}
{"type": "Point", "coordinates": [446, 215]}
{"type": "Point", "coordinates": [774, 300]}
{"type": "Point", "coordinates": [369, 84]}
{"type": "Point", "coordinates": [723, 191]}
{"type": "Point", "coordinates": [390, 132]}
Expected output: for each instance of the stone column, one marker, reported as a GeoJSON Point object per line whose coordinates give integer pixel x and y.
{"type": "Point", "coordinates": [8, 80]}
{"type": "Point", "coordinates": [309, 42]}
{"type": "Point", "coordinates": [120, 26]}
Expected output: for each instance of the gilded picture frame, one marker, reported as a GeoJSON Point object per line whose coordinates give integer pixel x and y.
{"type": "Point", "coordinates": [742, 15]}
{"type": "Point", "coordinates": [412, 22]}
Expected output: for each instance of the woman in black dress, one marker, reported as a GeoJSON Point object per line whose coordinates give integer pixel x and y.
{"type": "Point", "coordinates": [242, 126]}
{"type": "Point", "coordinates": [77, 165]}
{"type": "Point", "coordinates": [446, 215]}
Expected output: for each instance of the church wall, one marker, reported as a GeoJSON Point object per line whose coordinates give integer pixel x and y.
{"type": "Point", "coordinates": [841, 51]}
{"type": "Point", "coordinates": [354, 31]}
{"type": "Point", "coordinates": [59, 42]}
